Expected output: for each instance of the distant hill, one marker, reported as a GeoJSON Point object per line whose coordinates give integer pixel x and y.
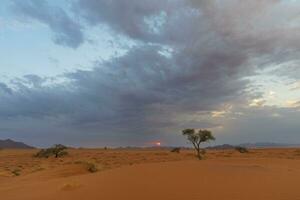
{"type": "Point", "coordinates": [268, 145]}
{"type": "Point", "coordinates": [10, 144]}
{"type": "Point", "coordinates": [254, 145]}
{"type": "Point", "coordinates": [223, 146]}
{"type": "Point", "coordinates": [151, 148]}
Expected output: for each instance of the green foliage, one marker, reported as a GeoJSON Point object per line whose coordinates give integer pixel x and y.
{"type": "Point", "coordinates": [197, 138]}
{"type": "Point", "coordinates": [57, 151]}
{"type": "Point", "coordinates": [241, 149]}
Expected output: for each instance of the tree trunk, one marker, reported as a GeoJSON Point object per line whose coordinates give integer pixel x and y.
{"type": "Point", "coordinates": [199, 154]}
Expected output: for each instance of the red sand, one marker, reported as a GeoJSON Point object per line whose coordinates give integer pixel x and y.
{"type": "Point", "coordinates": [257, 176]}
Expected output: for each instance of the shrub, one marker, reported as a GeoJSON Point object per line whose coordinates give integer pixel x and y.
{"type": "Point", "coordinates": [241, 149]}
{"type": "Point", "coordinates": [43, 153]}
{"type": "Point", "coordinates": [16, 172]}
{"type": "Point", "coordinates": [91, 167]}
{"type": "Point", "coordinates": [57, 150]}
{"type": "Point", "coordinates": [175, 150]}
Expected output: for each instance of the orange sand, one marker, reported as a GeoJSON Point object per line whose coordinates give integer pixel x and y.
{"type": "Point", "coordinates": [271, 174]}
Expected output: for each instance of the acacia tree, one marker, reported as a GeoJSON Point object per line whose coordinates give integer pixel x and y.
{"type": "Point", "coordinates": [196, 138]}
{"type": "Point", "coordinates": [57, 150]}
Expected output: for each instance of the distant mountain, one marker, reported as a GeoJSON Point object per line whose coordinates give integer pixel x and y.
{"type": "Point", "coordinates": [223, 146]}
{"type": "Point", "coordinates": [10, 144]}
{"type": "Point", "coordinates": [254, 145]}
{"type": "Point", "coordinates": [268, 145]}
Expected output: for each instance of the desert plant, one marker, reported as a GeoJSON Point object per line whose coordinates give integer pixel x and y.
{"type": "Point", "coordinates": [57, 150]}
{"type": "Point", "coordinates": [43, 153]}
{"type": "Point", "coordinates": [175, 150]}
{"type": "Point", "coordinates": [196, 138]}
{"type": "Point", "coordinates": [91, 167]}
{"type": "Point", "coordinates": [297, 152]}
{"type": "Point", "coordinates": [241, 149]}
{"type": "Point", "coordinates": [16, 172]}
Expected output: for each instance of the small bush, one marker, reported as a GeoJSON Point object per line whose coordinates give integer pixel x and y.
{"type": "Point", "coordinates": [55, 151]}
{"type": "Point", "coordinates": [91, 167]}
{"type": "Point", "coordinates": [297, 152]}
{"type": "Point", "coordinates": [16, 172]}
{"type": "Point", "coordinates": [242, 149]}
{"type": "Point", "coordinates": [175, 150]}
{"type": "Point", "coordinates": [43, 153]}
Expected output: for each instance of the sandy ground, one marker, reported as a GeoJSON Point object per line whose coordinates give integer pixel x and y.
{"type": "Point", "coordinates": [270, 174]}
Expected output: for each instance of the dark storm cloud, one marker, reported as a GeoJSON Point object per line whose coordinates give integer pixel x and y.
{"type": "Point", "coordinates": [31, 101]}
{"type": "Point", "coordinates": [144, 84]}
{"type": "Point", "coordinates": [195, 62]}
{"type": "Point", "coordinates": [128, 16]}
{"type": "Point", "coordinates": [66, 30]}
{"type": "Point", "coordinates": [125, 91]}
{"type": "Point", "coordinates": [4, 89]}
{"type": "Point", "coordinates": [263, 124]}
{"type": "Point", "coordinates": [131, 95]}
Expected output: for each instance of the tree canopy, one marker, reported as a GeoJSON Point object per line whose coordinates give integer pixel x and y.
{"type": "Point", "coordinates": [198, 137]}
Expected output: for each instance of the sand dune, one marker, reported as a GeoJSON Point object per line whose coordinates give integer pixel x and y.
{"type": "Point", "coordinates": [225, 175]}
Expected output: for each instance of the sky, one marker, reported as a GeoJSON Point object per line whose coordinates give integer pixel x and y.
{"type": "Point", "coordinates": [136, 72]}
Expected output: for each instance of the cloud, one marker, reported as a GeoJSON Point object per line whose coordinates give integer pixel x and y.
{"type": "Point", "coordinates": [293, 104]}
{"type": "Point", "coordinates": [4, 89]}
{"type": "Point", "coordinates": [213, 49]}
{"type": "Point", "coordinates": [263, 124]}
{"type": "Point", "coordinates": [295, 86]}
{"type": "Point", "coordinates": [292, 71]}
{"type": "Point", "coordinates": [66, 30]}
{"type": "Point", "coordinates": [130, 95]}
{"type": "Point", "coordinates": [134, 18]}
{"type": "Point", "coordinates": [257, 102]}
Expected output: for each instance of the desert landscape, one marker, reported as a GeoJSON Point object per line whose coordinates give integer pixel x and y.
{"type": "Point", "coordinates": [149, 99]}
{"type": "Point", "coordinates": [146, 174]}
